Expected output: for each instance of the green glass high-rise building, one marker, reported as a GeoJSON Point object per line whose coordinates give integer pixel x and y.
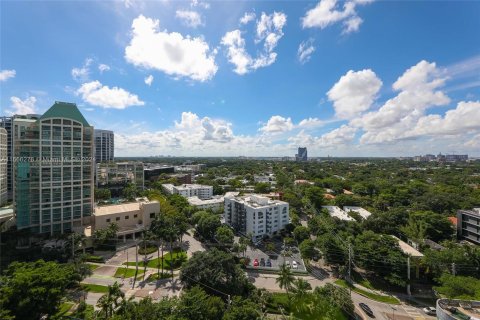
{"type": "Point", "coordinates": [53, 170]}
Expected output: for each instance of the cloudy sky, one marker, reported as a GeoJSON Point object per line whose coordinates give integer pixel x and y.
{"type": "Point", "coordinates": [185, 78]}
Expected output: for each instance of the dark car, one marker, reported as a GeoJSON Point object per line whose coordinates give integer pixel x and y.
{"type": "Point", "coordinates": [268, 263]}
{"type": "Point", "coordinates": [262, 262]}
{"type": "Point", "coordinates": [367, 309]}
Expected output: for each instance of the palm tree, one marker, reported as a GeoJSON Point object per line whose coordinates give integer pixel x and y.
{"type": "Point", "coordinates": [301, 288]}
{"type": "Point", "coordinates": [285, 279]}
{"type": "Point", "coordinates": [110, 301]}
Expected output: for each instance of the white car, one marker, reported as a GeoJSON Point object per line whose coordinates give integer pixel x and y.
{"type": "Point", "coordinates": [431, 311]}
{"type": "Point", "coordinates": [294, 264]}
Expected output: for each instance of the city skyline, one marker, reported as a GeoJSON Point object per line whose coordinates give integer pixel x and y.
{"type": "Point", "coordinates": [355, 78]}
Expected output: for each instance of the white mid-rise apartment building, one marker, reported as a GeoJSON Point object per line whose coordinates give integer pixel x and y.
{"type": "Point", "coordinates": [256, 215]}
{"type": "Point", "coordinates": [190, 190]}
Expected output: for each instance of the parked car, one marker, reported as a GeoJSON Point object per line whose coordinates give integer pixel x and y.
{"type": "Point", "coordinates": [255, 263]}
{"type": "Point", "coordinates": [431, 311]}
{"type": "Point", "coordinates": [367, 309]}
{"type": "Point", "coordinates": [262, 262]}
{"type": "Point", "coordinates": [268, 263]}
{"type": "Point", "coordinates": [294, 264]}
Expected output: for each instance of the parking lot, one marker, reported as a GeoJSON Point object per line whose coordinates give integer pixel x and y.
{"type": "Point", "coordinates": [275, 257]}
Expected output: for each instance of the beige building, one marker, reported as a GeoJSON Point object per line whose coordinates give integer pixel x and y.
{"type": "Point", "coordinates": [132, 218]}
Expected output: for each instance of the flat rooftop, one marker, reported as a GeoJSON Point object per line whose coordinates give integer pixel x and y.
{"type": "Point", "coordinates": [198, 201]}
{"type": "Point", "coordinates": [408, 249]}
{"type": "Point", "coordinates": [362, 212]}
{"type": "Point", "coordinates": [123, 207]}
{"type": "Point", "coordinates": [336, 212]}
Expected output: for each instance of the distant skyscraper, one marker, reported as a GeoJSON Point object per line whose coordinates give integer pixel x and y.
{"type": "Point", "coordinates": [53, 170]}
{"type": "Point", "coordinates": [302, 154]}
{"type": "Point", "coordinates": [3, 166]}
{"type": "Point", "coordinates": [7, 124]}
{"type": "Point", "coordinates": [104, 145]}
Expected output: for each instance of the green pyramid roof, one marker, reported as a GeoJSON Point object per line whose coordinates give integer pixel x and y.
{"type": "Point", "coordinates": [65, 110]}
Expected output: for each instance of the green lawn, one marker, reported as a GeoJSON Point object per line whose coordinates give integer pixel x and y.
{"type": "Point", "coordinates": [154, 277]}
{"type": "Point", "coordinates": [63, 310]}
{"type": "Point", "coordinates": [176, 259]}
{"type": "Point", "coordinates": [92, 266]}
{"type": "Point", "coordinates": [373, 296]}
{"type": "Point", "coordinates": [127, 272]}
{"type": "Point", "coordinates": [94, 288]}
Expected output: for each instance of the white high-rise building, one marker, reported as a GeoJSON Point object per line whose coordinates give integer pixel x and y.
{"type": "Point", "coordinates": [53, 171]}
{"type": "Point", "coordinates": [3, 166]}
{"type": "Point", "coordinates": [256, 215]}
{"type": "Point", "coordinates": [104, 145]}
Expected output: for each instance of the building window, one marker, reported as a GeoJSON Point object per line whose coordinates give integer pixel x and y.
{"type": "Point", "coordinates": [117, 219]}
{"type": "Point", "coordinates": [152, 215]}
{"type": "Point", "coordinates": [135, 215]}
{"type": "Point", "coordinates": [126, 217]}
{"type": "Point", "coordinates": [108, 220]}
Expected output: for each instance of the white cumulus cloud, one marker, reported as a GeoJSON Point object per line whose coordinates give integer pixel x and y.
{"type": "Point", "coordinates": [269, 30]}
{"type": "Point", "coordinates": [354, 93]}
{"type": "Point", "coordinates": [171, 53]}
{"type": "Point", "coordinates": [103, 67]}
{"type": "Point", "coordinates": [305, 51]}
{"type": "Point", "coordinates": [247, 17]}
{"type": "Point", "coordinates": [277, 124]}
{"type": "Point", "coordinates": [189, 17]}
{"type": "Point", "coordinates": [329, 12]}
{"type": "Point", "coordinates": [20, 106]}
{"type": "Point", "coordinates": [99, 95]}
{"type": "Point", "coordinates": [82, 73]}
{"type": "Point", "coordinates": [7, 74]}
{"type": "Point", "coordinates": [148, 80]}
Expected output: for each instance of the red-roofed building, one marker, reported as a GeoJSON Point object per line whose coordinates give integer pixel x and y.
{"type": "Point", "coordinates": [453, 220]}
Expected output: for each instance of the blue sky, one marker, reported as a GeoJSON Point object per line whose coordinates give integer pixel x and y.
{"type": "Point", "coordinates": [361, 77]}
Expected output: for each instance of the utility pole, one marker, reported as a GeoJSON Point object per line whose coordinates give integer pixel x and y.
{"type": "Point", "coordinates": [350, 266]}
{"type": "Point", "coordinates": [408, 276]}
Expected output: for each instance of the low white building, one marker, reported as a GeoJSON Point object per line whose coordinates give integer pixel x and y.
{"type": "Point", "coordinates": [336, 212]}
{"type": "Point", "coordinates": [190, 190]}
{"type": "Point", "coordinates": [362, 212]}
{"type": "Point", "coordinates": [131, 218]}
{"type": "Point", "coordinates": [256, 215]}
{"type": "Point", "coordinates": [214, 204]}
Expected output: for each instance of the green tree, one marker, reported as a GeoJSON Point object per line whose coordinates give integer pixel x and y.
{"type": "Point", "coordinates": [243, 309]}
{"type": "Point", "coordinates": [106, 236]}
{"type": "Point", "coordinates": [32, 289]}
{"type": "Point", "coordinates": [102, 194]}
{"type": "Point", "coordinates": [110, 301]}
{"type": "Point", "coordinates": [458, 287]}
{"type": "Point", "coordinates": [337, 296]}
{"type": "Point", "coordinates": [262, 187]}
{"type": "Point", "coordinates": [381, 254]}
{"type": "Point", "coordinates": [216, 269]}
{"type": "Point", "coordinates": [300, 289]}
{"type": "Point", "coordinates": [208, 225]}
{"type": "Point", "coordinates": [301, 233]}
{"type": "Point", "coordinates": [224, 236]}
{"type": "Point", "coordinates": [285, 279]}
{"type": "Point", "coordinates": [307, 249]}
{"type": "Point", "coordinates": [195, 303]}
